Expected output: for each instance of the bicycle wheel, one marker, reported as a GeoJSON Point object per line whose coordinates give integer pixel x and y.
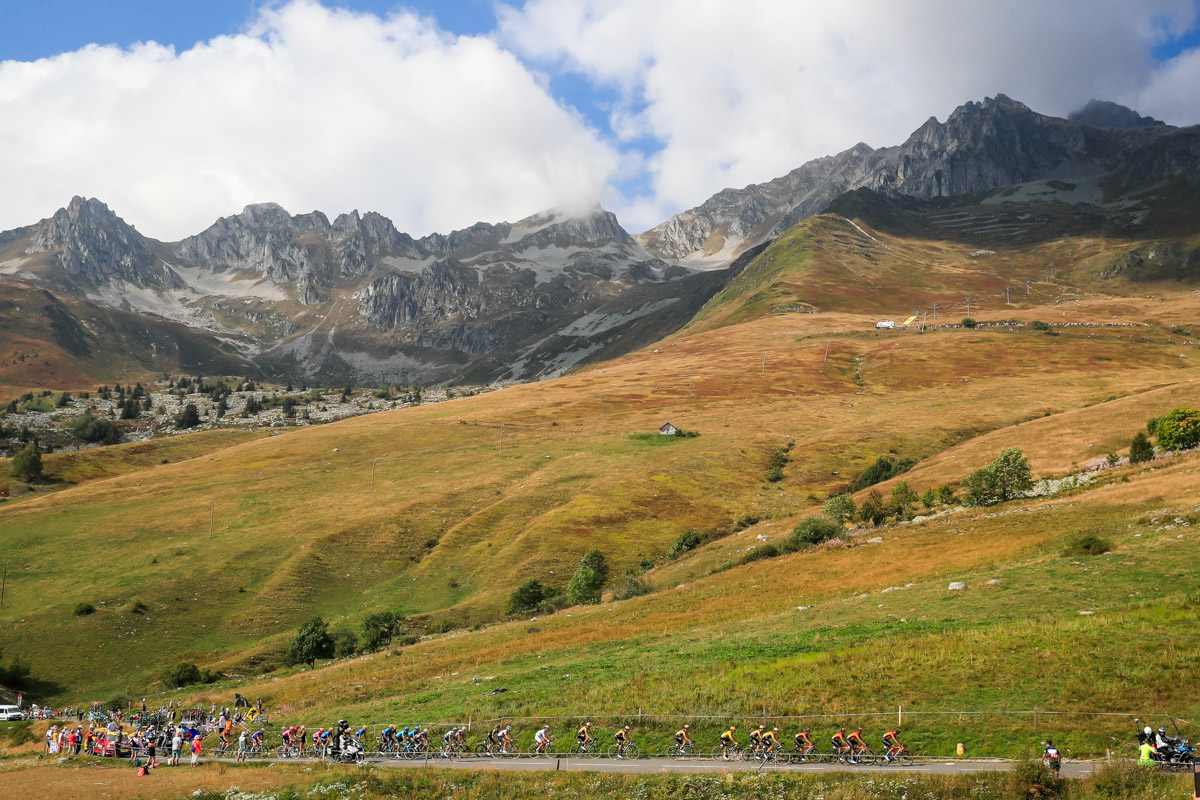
{"type": "Point", "coordinates": [482, 751]}
{"type": "Point", "coordinates": [578, 750]}
{"type": "Point", "coordinates": [717, 753]}
{"type": "Point", "coordinates": [631, 751]}
{"type": "Point", "coordinates": [612, 751]}
{"type": "Point", "coordinates": [866, 757]}
{"type": "Point", "coordinates": [903, 758]}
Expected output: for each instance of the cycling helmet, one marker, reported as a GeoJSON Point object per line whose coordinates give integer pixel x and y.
{"type": "Point", "coordinates": [588, 725]}
{"type": "Point", "coordinates": [687, 727]}
{"type": "Point", "coordinates": [1148, 731]}
{"type": "Point", "coordinates": [897, 729]}
{"type": "Point", "coordinates": [843, 730]}
{"type": "Point", "coordinates": [1162, 731]}
{"type": "Point", "coordinates": [626, 727]}
{"type": "Point", "coordinates": [858, 730]}
{"type": "Point", "coordinates": [775, 730]}
{"type": "Point", "coordinates": [808, 730]}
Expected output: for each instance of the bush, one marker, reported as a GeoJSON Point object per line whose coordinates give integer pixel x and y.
{"type": "Point", "coordinates": [687, 541]}
{"type": "Point", "coordinates": [1032, 779]}
{"type": "Point", "coordinates": [526, 597]}
{"type": "Point", "coordinates": [839, 508]}
{"type": "Point", "coordinates": [188, 418]}
{"type": "Point", "coordinates": [589, 579]}
{"type": "Point", "coordinates": [378, 629]}
{"type": "Point", "coordinates": [311, 642]}
{"type": "Point", "coordinates": [1088, 545]}
{"type": "Point", "coordinates": [84, 609]}
{"type": "Point", "coordinates": [872, 511]}
{"type": "Point", "coordinates": [181, 675]}
{"type": "Point", "coordinates": [880, 471]}
{"type": "Point", "coordinates": [903, 499]}
{"type": "Point", "coordinates": [1179, 429]}
{"type": "Point", "coordinates": [405, 639]}
{"type": "Point", "coordinates": [1140, 449]}
{"type": "Point", "coordinates": [553, 604]}
{"type": "Point", "coordinates": [27, 464]}
{"type": "Point", "coordinates": [969, 322]}
{"type": "Point", "coordinates": [1038, 325]}
{"type": "Point", "coordinates": [814, 530]}
{"type": "Point", "coordinates": [631, 586]}
{"type": "Point", "coordinates": [929, 499]}
{"type": "Point", "coordinates": [117, 702]}
{"type": "Point", "coordinates": [945, 494]}
{"type": "Point", "coordinates": [1003, 479]}
{"type": "Point", "coordinates": [93, 429]}
{"type": "Point", "coordinates": [64, 400]}
{"type": "Point", "coordinates": [345, 644]}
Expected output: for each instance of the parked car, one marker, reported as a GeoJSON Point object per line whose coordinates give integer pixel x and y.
{"type": "Point", "coordinates": [887, 323]}
{"type": "Point", "coordinates": [111, 744]}
{"type": "Point", "coordinates": [11, 713]}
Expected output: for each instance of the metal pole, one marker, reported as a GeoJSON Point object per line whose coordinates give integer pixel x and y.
{"type": "Point", "coordinates": [1006, 295]}
{"type": "Point", "coordinates": [212, 516]}
{"type": "Point", "coordinates": [501, 438]}
{"type": "Point", "coordinates": [968, 306]}
{"type": "Point", "coordinates": [3, 582]}
{"type": "Point", "coordinates": [935, 312]}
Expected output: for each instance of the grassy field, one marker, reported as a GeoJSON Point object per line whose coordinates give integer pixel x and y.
{"type": "Point", "coordinates": [287, 782]}
{"type": "Point", "coordinates": [439, 512]}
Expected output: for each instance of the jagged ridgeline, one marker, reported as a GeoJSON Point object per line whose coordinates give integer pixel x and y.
{"type": "Point", "coordinates": [298, 297]}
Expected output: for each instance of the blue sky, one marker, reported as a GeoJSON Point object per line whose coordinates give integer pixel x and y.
{"type": "Point", "coordinates": [647, 106]}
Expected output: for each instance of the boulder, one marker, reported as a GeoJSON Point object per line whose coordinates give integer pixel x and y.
{"type": "Point", "coordinates": [957, 586]}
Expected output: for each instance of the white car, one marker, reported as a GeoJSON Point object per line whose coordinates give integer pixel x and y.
{"type": "Point", "coordinates": [11, 714]}
{"type": "Point", "coordinates": [887, 323]}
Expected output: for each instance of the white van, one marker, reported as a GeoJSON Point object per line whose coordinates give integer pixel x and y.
{"type": "Point", "coordinates": [887, 323]}
{"type": "Point", "coordinates": [10, 713]}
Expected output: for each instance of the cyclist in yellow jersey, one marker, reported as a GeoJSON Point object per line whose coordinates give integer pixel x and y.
{"type": "Point", "coordinates": [683, 736]}
{"type": "Point", "coordinates": [770, 740]}
{"type": "Point", "coordinates": [584, 735]}
{"type": "Point", "coordinates": [727, 741]}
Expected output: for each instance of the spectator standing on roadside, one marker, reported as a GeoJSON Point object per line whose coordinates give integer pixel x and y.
{"type": "Point", "coordinates": [196, 745]}
{"type": "Point", "coordinates": [176, 746]}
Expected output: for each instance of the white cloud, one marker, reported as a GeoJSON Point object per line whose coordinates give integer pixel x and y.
{"type": "Point", "coordinates": [743, 92]}
{"type": "Point", "coordinates": [309, 107]}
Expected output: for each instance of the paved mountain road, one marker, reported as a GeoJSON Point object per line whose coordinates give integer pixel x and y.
{"type": "Point", "coordinates": [1071, 769]}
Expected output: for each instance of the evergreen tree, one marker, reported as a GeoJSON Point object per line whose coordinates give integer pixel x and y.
{"type": "Point", "coordinates": [1140, 449]}
{"type": "Point", "coordinates": [188, 418]}
{"type": "Point", "coordinates": [589, 579]}
{"type": "Point", "coordinates": [27, 464]}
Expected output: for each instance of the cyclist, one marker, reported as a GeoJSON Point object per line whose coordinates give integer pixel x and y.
{"type": "Point", "coordinates": [387, 738]}
{"type": "Point", "coordinates": [303, 738]}
{"type": "Point", "coordinates": [359, 735]}
{"type": "Point", "coordinates": [493, 738]}
{"type": "Point", "coordinates": [222, 742]}
{"type": "Point", "coordinates": [1052, 758]}
{"type": "Point", "coordinates": [584, 736]}
{"type": "Point", "coordinates": [840, 744]}
{"type": "Point", "coordinates": [891, 740]}
{"type": "Point", "coordinates": [256, 741]}
{"type": "Point", "coordinates": [683, 737]}
{"type": "Point", "coordinates": [727, 741]}
{"type": "Point", "coordinates": [542, 738]}
{"type": "Point", "coordinates": [506, 739]}
{"type": "Point", "coordinates": [420, 738]}
{"type": "Point", "coordinates": [450, 740]}
{"type": "Point", "coordinates": [285, 735]}
{"type": "Point", "coordinates": [804, 744]}
{"type": "Point", "coordinates": [755, 737]}
{"type": "Point", "coordinates": [622, 737]}
{"type": "Point", "coordinates": [857, 744]}
{"type": "Point", "coordinates": [770, 740]}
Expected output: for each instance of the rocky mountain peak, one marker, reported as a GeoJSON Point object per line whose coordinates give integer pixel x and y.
{"type": "Point", "coordinates": [94, 244]}
{"type": "Point", "coordinates": [1107, 114]}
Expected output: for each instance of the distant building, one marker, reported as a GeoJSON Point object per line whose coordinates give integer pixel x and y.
{"type": "Point", "coordinates": [669, 430]}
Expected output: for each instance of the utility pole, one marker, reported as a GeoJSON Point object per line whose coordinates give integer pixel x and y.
{"type": "Point", "coordinates": [1027, 286]}
{"type": "Point", "coordinates": [212, 517]}
{"type": "Point", "coordinates": [935, 312]}
{"type": "Point", "coordinates": [968, 306]}
{"type": "Point", "coordinates": [501, 438]}
{"type": "Point", "coordinates": [1007, 300]}
{"type": "Point", "coordinates": [372, 474]}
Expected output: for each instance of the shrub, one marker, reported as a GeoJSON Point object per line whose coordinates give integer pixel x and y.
{"type": "Point", "coordinates": [929, 499]}
{"type": "Point", "coordinates": [872, 510]}
{"type": "Point", "coordinates": [589, 579]}
{"type": "Point", "coordinates": [779, 460]}
{"type": "Point", "coordinates": [345, 644]}
{"type": "Point", "coordinates": [945, 494]}
{"type": "Point", "coordinates": [526, 597]}
{"type": "Point", "coordinates": [1140, 449]}
{"type": "Point", "coordinates": [311, 642]}
{"type": "Point", "coordinates": [1179, 429]}
{"type": "Point", "coordinates": [1088, 544]}
{"type": "Point", "coordinates": [903, 499]}
{"type": "Point", "coordinates": [83, 609]}
{"type": "Point", "coordinates": [839, 508]}
{"type": "Point", "coordinates": [181, 675]}
{"type": "Point", "coordinates": [188, 418]}
{"type": "Point", "coordinates": [688, 540]}
{"type": "Point", "coordinates": [117, 702]}
{"type": "Point", "coordinates": [631, 586]}
{"type": "Point", "coordinates": [378, 629]}
{"type": "Point", "coordinates": [1003, 479]}
{"type": "Point", "coordinates": [1038, 325]}
{"type": "Point", "coordinates": [27, 464]}
{"type": "Point", "coordinates": [93, 429]}
{"type": "Point", "coordinates": [64, 400]}
{"type": "Point", "coordinates": [552, 604]}
{"type": "Point", "coordinates": [1032, 779]}
{"type": "Point", "coordinates": [969, 322]}
{"type": "Point", "coordinates": [880, 471]}
{"type": "Point", "coordinates": [814, 530]}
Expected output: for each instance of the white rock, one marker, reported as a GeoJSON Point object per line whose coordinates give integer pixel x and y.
{"type": "Point", "coordinates": [1086, 613]}
{"type": "Point", "coordinates": [875, 540]}
{"type": "Point", "coordinates": [995, 582]}
{"type": "Point", "coordinates": [957, 586]}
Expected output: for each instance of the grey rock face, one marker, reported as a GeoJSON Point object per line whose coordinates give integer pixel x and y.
{"type": "Point", "coordinates": [981, 146]}
{"type": "Point", "coordinates": [95, 245]}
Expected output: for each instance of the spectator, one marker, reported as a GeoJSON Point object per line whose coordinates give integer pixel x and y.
{"type": "Point", "coordinates": [176, 746]}
{"type": "Point", "coordinates": [196, 749]}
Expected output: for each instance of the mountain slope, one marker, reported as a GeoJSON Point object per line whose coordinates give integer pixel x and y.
{"type": "Point", "coordinates": [981, 147]}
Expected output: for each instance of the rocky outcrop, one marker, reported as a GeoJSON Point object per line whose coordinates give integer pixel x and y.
{"type": "Point", "coordinates": [1107, 114]}
{"type": "Point", "coordinates": [96, 246]}
{"type": "Point", "coordinates": [980, 147]}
